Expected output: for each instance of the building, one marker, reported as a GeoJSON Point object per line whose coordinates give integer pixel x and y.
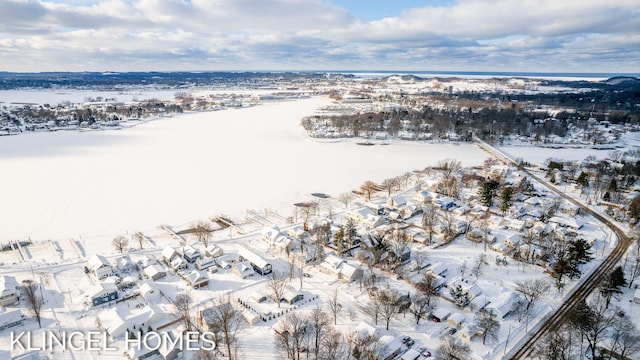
{"type": "Point", "coordinates": [197, 280]}
{"type": "Point", "coordinates": [8, 290]}
{"type": "Point", "coordinates": [102, 294]}
{"type": "Point", "coordinates": [100, 267]}
{"type": "Point", "coordinates": [168, 253]}
{"type": "Point", "coordinates": [260, 265]}
{"type": "Point", "coordinates": [9, 319]}
{"type": "Point", "coordinates": [190, 253]}
{"type": "Point", "coordinates": [291, 296]}
{"type": "Point", "coordinates": [155, 272]}
{"type": "Point", "coordinates": [205, 263]}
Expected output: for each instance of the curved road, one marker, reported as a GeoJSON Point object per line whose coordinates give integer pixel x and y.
{"type": "Point", "coordinates": [525, 349]}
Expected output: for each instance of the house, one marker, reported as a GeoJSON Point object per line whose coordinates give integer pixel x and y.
{"type": "Point", "coordinates": [472, 291]}
{"type": "Point", "coordinates": [440, 314]}
{"type": "Point", "coordinates": [10, 318]}
{"type": "Point", "coordinates": [396, 202]}
{"type": "Point", "coordinates": [276, 239]}
{"type": "Point", "coordinates": [125, 264]}
{"type": "Point", "coordinates": [243, 269]}
{"type": "Point", "coordinates": [190, 253]}
{"type": "Point", "coordinates": [118, 321]}
{"type": "Point", "coordinates": [438, 268]}
{"type": "Point", "coordinates": [423, 196]}
{"type": "Point", "coordinates": [410, 210]}
{"type": "Point", "coordinates": [503, 305]}
{"type": "Point", "coordinates": [168, 253]}
{"type": "Point", "coordinates": [250, 317]}
{"type": "Point", "coordinates": [376, 209]}
{"type": "Point", "coordinates": [197, 280]}
{"type": "Point", "coordinates": [499, 247]}
{"type": "Point", "coordinates": [456, 320]}
{"type": "Point", "coordinates": [100, 267]}
{"type": "Point", "coordinates": [260, 265]}
{"type": "Point", "coordinates": [155, 272]}
{"type": "Point", "coordinates": [291, 296]}
{"type": "Point", "coordinates": [258, 296]}
{"type": "Point", "coordinates": [468, 332]}
{"type": "Point", "coordinates": [411, 354]}
{"type": "Point", "coordinates": [8, 290]}
{"type": "Point", "coordinates": [390, 347]}
{"type": "Point", "coordinates": [149, 292]}
{"type": "Point", "coordinates": [479, 302]}
{"type": "Point", "coordinates": [205, 263]}
{"type": "Point", "coordinates": [171, 347]}
{"type": "Point", "coordinates": [512, 240]}
{"type": "Point", "coordinates": [569, 209]}
{"type": "Point", "coordinates": [102, 294]}
{"type": "Point", "coordinates": [178, 263]}
{"type": "Point", "coordinates": [213, 251]}
{"type": "Point", "coordinates": [350, 273]}
{"type": "Point", "coordinates": [516, 225]}
{"type": "Point", "coordinates": [566, 223]}
{"type": "Point", "coordinates": [446, 203]}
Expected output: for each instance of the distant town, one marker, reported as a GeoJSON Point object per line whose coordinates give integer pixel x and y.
{"type": "Point", "coordinates": [505, 260]}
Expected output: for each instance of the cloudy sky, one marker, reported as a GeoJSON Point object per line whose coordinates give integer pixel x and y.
{"type": "Point", "coordinates": [457, 35]}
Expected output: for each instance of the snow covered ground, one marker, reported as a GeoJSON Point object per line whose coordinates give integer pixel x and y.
{"type": "Point", "coordinates": [176, 170]}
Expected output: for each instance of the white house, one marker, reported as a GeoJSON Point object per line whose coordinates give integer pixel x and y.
{"type": "Point", "coordinates": [8, 290]}
{"type": "Point", "coordinates": [205, 263]}
{"type": "Point", "coordinates": [260, 265]}
{"type": "Point", "coordinates": [155, 271]}
{"type": "Point", "coordinates": [213, 251]}
{"type": "Point", "coordinates": [423, 196]}
{"type": "Point", "coordinates": [149, 292]}
{"type": "Point", "coordinates": [396, 201]}
{"type": "Point", "coordinates": [456, 320]}
{"type": "Point", "coordinates": [190, 253]}
{"type": "Point", "coordinates": [168, 253]}
{"type": "Point", "coordinates": [503, 305]}
{"type": "Point", "coordinates": [197, 280]}
{"type": "Point", "coordinates": [100, 266]}
{"type": "Point", "coordinates": [125, 264]}
{"type": "Point", "coordinates": [102, 293]}
{"type": "Point", "coordinates": [243, 269]}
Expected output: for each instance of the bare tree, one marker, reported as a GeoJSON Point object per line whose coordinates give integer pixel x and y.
{"type": "Point", "coordinates": [368, 188]}
{"type": "Point", "coordinates": [453, 349]}
{"type": "Point", "coordinates": [419, 258]}
{"type": "Point", "coordinates": [480, 262]}
{"type": "Point", "coordinates": [487, 326]}
{"type": "Point", "coordinates": [399, 244]}
{"type": "Point", "coordinates": [447, 220]}
{"type": "Point", "coordinates": [373, 309]}
{"type": "Point", "coordinates": [290, 336]}
{"type": "Point", "coordinates": [346, 199]}
{"type": "Point", "coordinates": [532, 290]}
{"type": "Point", "coordinates": [34, 300]}
{"type": "Point", "coordinates": [419, 307]}
{"type": "Point", "coordinates": [229, 321]}
{"type": "Point", "coordinates": [427, 287]}
{"type": "Point", "coordinates": [202, 231]}
{"type": "Point", "coordinates": [139, 237]}
{"type": "Point", "coordinates": [635, 271]}
{"type": "Point", "coordinates": [555, 346]}
{"type": "Point", "coordinates": [333, 346]}
{"type": "Point", "coordinates": [182, 303]}
{"type": "Point", "coordinates": [389, 185]}
{"type": "Point", "coordinates": [277, 283]}
{"type": "Point", "coordinates": [430, 218]}
{"type": "Point", "coordinates": [319, 324]}
{"type": "Point", "coordinates": [364, 346]}
{"type": "Point", "coordinates": [334, 306]}
{"type": "Point", "coordinates": [625, 340]}
{"type": "Point", "coordinates": [120, 243]}
{"type": "Point", "coordinates": [388, 305]}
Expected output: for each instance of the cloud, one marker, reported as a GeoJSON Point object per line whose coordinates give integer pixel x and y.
{"type": "Point", "coordinates": [531, 35]}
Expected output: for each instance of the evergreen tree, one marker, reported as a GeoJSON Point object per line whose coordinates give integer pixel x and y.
{"type": "Point", "coordinates": [583, 179]}
{"type": "Point", "coordinates": [487, 192]}
{"type": "Point", "coordinates": [506, 198]}
{"type": "Point", "coordinates": [612, 284]}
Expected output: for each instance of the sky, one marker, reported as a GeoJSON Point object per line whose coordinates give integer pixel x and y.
{"type": "Point", "coordinates": [404, 35]}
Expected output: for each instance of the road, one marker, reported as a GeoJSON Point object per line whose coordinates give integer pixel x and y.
{"type": "Point", "coordinates": [525, 348]}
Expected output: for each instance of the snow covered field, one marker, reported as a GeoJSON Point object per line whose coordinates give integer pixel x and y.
{"type": "Point", "coordinates": [96, 185]}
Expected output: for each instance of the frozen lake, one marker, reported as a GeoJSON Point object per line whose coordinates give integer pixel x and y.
{"type": "Point", "coordinates": [190, 167]}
